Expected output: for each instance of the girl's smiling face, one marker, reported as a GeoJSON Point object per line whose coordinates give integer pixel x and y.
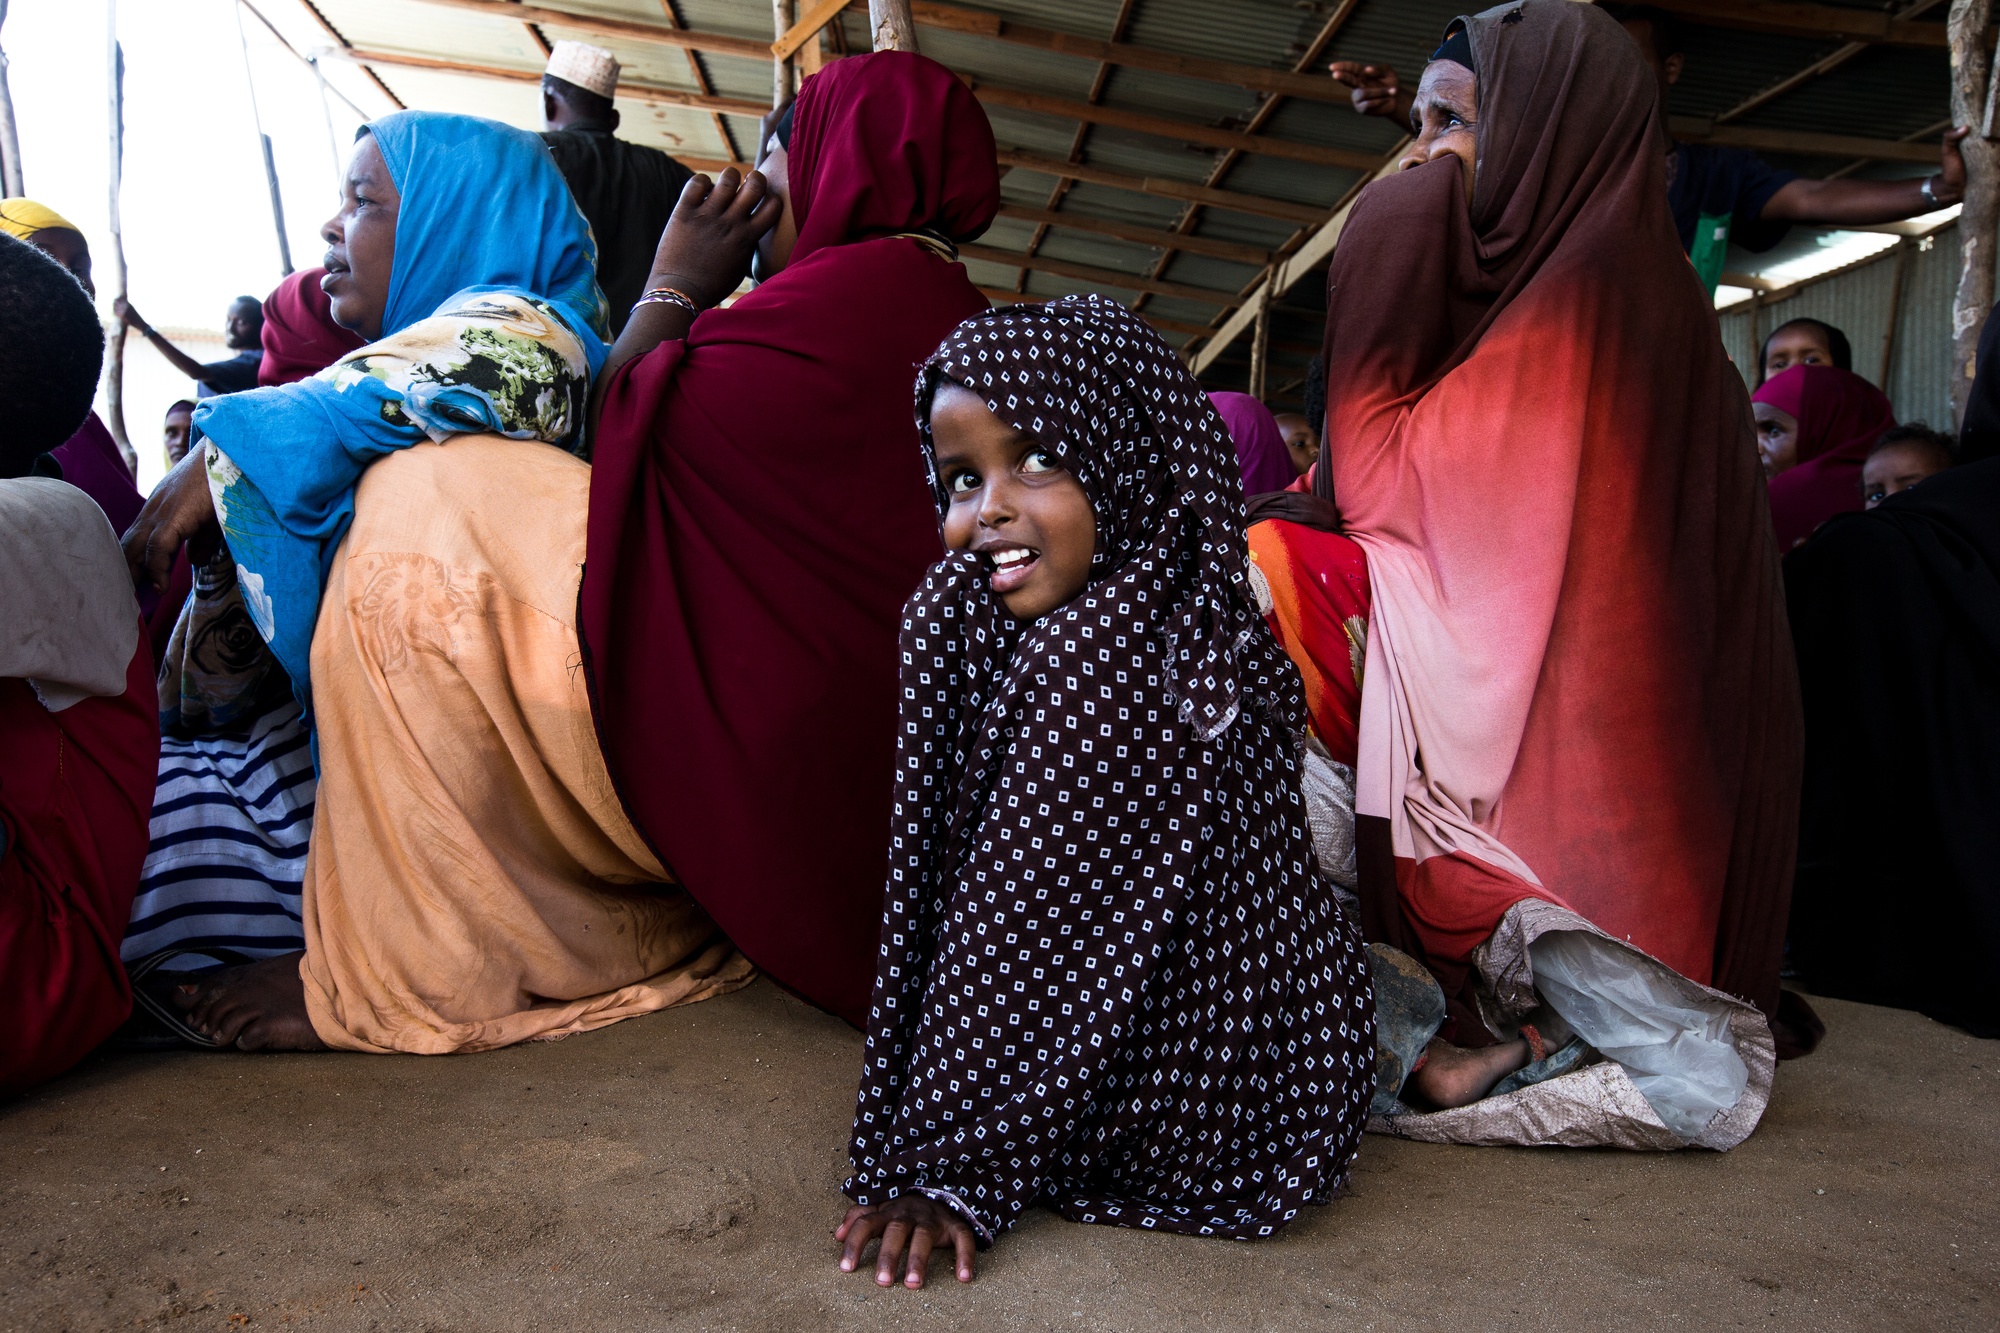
{"type": "Point", "coordinates": [1025, 516]}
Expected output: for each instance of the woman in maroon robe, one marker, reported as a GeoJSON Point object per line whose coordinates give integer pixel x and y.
{"type": "Point", "coordinates": [759, 513]}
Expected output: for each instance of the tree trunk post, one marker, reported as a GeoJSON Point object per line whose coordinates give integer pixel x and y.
{"type": "Point", "coordinates": [1260, 351]}
{"type": "Point", "coordinates": [114, 354]}
{"type": "Point", "coordinates": [892, 26]}
{"type": "Point", "coordinates": [781, 70]}
{"type": "Point", "coordinates": [10, 140]}
{"type": "Point", "coordinates": [1971, 72]}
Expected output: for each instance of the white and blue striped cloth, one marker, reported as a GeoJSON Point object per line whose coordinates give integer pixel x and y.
{"type": "Point", "coordinates": [232, 819]}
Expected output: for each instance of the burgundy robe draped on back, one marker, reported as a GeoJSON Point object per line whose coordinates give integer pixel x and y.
{"type": "Point", "coordinates": [759, 513]}
{"type": "Point", "coordinates": [1579, 684]}
{"type": "Point", "coordinates": [300, 337]}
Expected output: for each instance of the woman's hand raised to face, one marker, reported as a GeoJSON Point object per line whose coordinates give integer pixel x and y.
{"type": "Point", "coordinates": [706, 248]}
{"type": "Point", "coordinates": [179, 508]}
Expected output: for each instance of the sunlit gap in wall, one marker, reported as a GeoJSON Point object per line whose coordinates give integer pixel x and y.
{"type": "Point", "coordinates": [1837, 249]}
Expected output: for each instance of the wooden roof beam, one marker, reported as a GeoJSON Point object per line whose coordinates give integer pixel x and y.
{"type": "Point", "coordinates": [1281, 277]}
{"type": "Point", "coordinates": [1161, 187]}
{"type": "Point", "coordinates": [1184, 131]}
{"type": "Point", "coordinates": [1104, 277]}
{"type": "Point", "coordinates": [632, 30]}
{"type": "Point", "coordinates": [1806, 20]}
{"type": "Point", "coordinates": [651, 94]}
{"type": "Point", "coordinates": [1126, 231]}
{"type": "Point", "coordinates": [1255, 78]}
{"type": "Point", "coordinates": [1002, 296]}
{"type": "Point", "coordinates": [1695, 129]}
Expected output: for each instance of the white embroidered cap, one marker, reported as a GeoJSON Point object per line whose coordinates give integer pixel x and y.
{"type": "Point", "coordinates": [591, 68]}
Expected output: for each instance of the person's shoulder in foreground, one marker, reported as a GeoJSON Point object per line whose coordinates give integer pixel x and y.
{"type": "Point", "coordinates": [78, 727]}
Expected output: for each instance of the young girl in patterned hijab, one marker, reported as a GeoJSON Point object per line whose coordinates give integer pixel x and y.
{"type": "Point", "coordinates": [1110, 974]}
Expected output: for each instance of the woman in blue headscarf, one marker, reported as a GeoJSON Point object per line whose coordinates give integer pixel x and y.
{"type": "Point", "coordinates": [459, 253]}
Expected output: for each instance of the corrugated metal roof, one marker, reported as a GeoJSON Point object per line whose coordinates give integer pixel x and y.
{"type": "Point", "coordinates": [1886, 92]}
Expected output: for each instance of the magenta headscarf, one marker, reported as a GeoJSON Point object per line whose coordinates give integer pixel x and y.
{"type": "Point", "coordinates": [1260, 446]}
{"type": "Point", "coordinates": [1840, 417]}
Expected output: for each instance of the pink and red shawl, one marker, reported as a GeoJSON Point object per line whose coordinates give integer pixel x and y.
{"type": "Point", "coordinates": [1840, 417]}
{"type": "Point", "coordinates": [300, 337]}
{"type": "Point", "coordinates": [1261, 455]}
{"type": "Point", "coordinates": [1578, 685]}
{"type": "Point", "coordinates": [759, 513]}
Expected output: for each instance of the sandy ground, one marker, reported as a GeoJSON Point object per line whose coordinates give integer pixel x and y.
{"type": "Point", "coordinates": [683, 1171]}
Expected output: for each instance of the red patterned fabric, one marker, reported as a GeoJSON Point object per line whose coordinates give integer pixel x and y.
{"type": "Point", "coordinates": [758, 515]}
{"type": "Point", "coordinates": [1319, 614]}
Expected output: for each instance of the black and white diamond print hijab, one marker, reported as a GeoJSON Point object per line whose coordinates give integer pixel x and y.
{"type": "Point", "coordinates": [1095, 385]}
{"type": "Point", "coordinates": [1110, 976]}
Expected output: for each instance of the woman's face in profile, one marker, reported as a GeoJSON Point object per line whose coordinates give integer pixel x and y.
{"type": "Point", "coordinates": [1445, 119]}
{"type": "Point", "coordinates": [361, 243]}
{"type": "Point", "coordinates": [1777, 437]}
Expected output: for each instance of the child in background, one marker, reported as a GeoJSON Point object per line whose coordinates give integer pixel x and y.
{"type": "Point", "coordinates": [1903, 457]}
{"type": "Point", "coordinates": [1111, 977]}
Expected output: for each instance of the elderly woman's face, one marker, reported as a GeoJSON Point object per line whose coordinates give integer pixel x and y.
{"type": "Point", "coordinates": [1445, 118]}
{"type": "Point", "coordinates": [361, 243]}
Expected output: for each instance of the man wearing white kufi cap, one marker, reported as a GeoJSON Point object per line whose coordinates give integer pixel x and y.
{"type": "Point", "coordinates": [625, 190]}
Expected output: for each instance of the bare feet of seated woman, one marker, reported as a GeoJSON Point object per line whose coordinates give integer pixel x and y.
{"type": "Point", "coordinates": [590, 930]}
{"type": "Point", "coordinates": [260, 1006]}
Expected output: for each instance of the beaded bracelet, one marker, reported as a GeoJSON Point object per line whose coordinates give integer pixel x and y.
{"type": "Point", "coordinates": [669, 296]}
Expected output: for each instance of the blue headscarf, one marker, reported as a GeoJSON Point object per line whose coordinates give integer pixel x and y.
{"type": "Point", "coordinates": [486, 223]}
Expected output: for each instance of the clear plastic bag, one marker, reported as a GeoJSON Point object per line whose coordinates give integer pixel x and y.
{"type": "Point", "coordinates": [1680, 1057]}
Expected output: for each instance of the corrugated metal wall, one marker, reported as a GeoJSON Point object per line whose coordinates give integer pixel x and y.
{"type": "Point", "coordinates": [1857, 303]}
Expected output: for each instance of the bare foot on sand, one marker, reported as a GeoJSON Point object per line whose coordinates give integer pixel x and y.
{"type": "Point", "coordinates": [260, 1006]}
{"type": "Point", "coordinates": [1454, 1076]}
{"type": "Point", "coordinates": [913, 1221]}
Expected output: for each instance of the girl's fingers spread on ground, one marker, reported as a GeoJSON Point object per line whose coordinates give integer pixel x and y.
{"type": "Point", "coordinates": [967, 1245]}
{"type": "Point", "coordinates": [860, 1231]}
{"type": "Point", "coordinates": [840, 1232]}
{"type": "Point", "coordinates": [920, 1257]}
{"type": "Point", "coordinates": [894, 1239]}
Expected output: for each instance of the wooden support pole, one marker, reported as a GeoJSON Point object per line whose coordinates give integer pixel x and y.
{"type": "Point", "coordinates": [806, 31]}
{"type": "Point", "coordinates": [781, 65]}
{"type": "Point", "coordinates": [1895, 313]}
{"type": "Point", "coordinates": [1260, 350]}
{"type": "Point", "coordinates": [114, 353]}
{"type": "Point", "coordinates": [10, 140]}
{"type": "Point", "coordinates": [1971, 68]}
{"type": "Point", "coordinates": [892, 26]}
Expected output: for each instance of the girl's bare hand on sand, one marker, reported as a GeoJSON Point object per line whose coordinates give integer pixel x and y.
{"type": "Point", "coordinates": [911, 1222]}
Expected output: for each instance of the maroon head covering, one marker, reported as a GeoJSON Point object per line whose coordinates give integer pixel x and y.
{"type": "Point", "coordinates": [759, 512]}
{"type": "Point", "coordinates": [1261, 455]}
{"type": "Point", "coordinates": [300, 337]}
{"type": "Point", "coordinates": [1840, 417]}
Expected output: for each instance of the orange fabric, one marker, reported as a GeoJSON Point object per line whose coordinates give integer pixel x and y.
{"type": "Point", "coordinates": [473, 880]}
{"type": "Point", "coordinates": [1319, 615]}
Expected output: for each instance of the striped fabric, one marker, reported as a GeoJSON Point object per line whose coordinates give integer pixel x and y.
{"type": "Point", "coordinates": [232, 819]}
